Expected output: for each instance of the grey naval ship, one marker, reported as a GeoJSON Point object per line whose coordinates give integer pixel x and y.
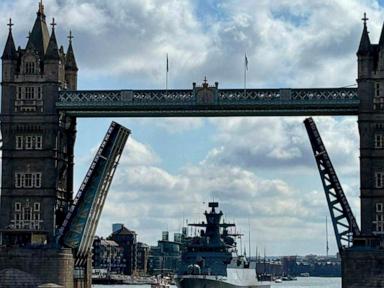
{"type": "Point", "coordinates": [211, 260]}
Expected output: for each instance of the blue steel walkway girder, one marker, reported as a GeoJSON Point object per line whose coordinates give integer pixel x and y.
{"type": "Point", "coordinates": [343, 220]}
{"type": "Point", "coordinates": [209, 101]}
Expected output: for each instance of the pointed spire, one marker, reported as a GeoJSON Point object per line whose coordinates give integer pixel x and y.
{"type": "Point", "coordinates": [365, 42]}
{"type": "Point", "coordinates": [41, 8]}
{"type": "Point", "coordinates": [70, 61]}
{"type": "Point", "coordinates": [381, 41]}
{"type": "Point", "coordinates": [10, 49]}
{"type": "Point", "coordinates": [52, 50]}
{"type": "Point", "coordinates": [39, 36]}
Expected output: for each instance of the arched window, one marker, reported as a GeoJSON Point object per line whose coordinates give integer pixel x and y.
{"type": "Point", "coordinates": [30, 67]}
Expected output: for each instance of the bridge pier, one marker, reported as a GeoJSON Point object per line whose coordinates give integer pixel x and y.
{"type": "Point", "coordinates": [362, 268]}
{"type": "Point", "coordinates": [45, 265]}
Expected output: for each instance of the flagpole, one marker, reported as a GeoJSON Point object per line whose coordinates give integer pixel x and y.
{"type": "Point", "coordinates": [245, 74]}
{"type": "Point", "coordinates": [166, 77]}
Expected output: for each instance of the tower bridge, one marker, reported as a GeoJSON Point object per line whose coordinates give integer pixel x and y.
{"type": "Point", "coordinates": [45, 231]}
{"type": "Point", "coordinates": [209, 101]}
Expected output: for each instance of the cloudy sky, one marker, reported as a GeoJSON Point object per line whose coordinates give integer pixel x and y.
{"type": "Point", "coordinates": [260, 169]}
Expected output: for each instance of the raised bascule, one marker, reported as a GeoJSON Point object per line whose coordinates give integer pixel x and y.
{"type": "Point", "coordinates": [46, 232]}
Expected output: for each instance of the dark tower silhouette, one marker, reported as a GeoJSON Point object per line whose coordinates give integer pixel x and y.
{"type": "Point", "coordinates": [37, 148]}
{"type": "Point", "coordinates": [371, 129]}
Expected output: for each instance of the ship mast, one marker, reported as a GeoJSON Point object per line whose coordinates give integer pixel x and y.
{"type": "Point", "coordinates": [326, 235]}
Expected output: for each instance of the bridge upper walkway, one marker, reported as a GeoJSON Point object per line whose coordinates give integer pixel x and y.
{"type": "Point", "coordinates": [210, 101]}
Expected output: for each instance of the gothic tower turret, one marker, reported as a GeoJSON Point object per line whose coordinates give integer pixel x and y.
{"type": "Point", "coordinates": [71, 66]}
{"type": "Point", "coordinates": [9, 57]}
{"type": "Point", "coordinates": [37, 151]}
{"type": "Point", "coordinates": [371, 129]}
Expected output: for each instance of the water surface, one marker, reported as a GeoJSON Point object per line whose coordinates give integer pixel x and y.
{"type": "Point", "coordinates": [303, 282]}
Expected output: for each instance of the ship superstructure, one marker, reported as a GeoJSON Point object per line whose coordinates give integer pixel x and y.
{"type": "Point", "coordinates": [211, 260]}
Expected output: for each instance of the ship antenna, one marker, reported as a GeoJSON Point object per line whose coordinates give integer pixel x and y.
{"type": "Point", "coordinates": [326, 235]}
{"type": "Point", "coordinates": [249, 238]}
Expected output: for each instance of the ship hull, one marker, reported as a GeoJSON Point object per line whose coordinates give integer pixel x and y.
{"type": "Point", "coordinates": [213, 283]}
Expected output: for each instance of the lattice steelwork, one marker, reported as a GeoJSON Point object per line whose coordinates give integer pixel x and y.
{"type": "Point", "coordinates": [210, 101]}
{"type": "Point", "coordinates": [79, 227]}
{"type": "Point", "coordinates": [344, 223]}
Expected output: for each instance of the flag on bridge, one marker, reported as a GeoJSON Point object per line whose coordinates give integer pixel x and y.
{"type": "Point", "coordinates": [245, 73]}
{"type": "Point", "coordinates": [167, 64]}
{"type": "Point", "coordinates": [166, 74]}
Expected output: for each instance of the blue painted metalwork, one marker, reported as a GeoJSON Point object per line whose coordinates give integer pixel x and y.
{"type": "Point", "coordinates": [344, 223]}
{"type": "Point", "coordinates": [210, 101]}
{"type": "Point", "coordinates": [79, 227]}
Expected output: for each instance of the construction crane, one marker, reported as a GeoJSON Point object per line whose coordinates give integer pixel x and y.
{"type": "Point", "coordinates": [344, 223]}
{"type": "Point", "coordinates": [79, 226]}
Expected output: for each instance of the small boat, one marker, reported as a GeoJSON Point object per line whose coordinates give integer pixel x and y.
{"type": "Point", "coordinates": [160, 282]}
{"type": "Point", "coordinates": [278, 280]}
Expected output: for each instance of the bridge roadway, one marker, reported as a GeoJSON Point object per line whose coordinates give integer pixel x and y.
{"type": "Point", "coordinates": [210, 101]}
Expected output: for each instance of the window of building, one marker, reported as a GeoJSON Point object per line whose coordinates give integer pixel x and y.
{"type": "Point", "coordinates": [28, 180]}
{"type": "Point", "coordinates": [27, 217]}
{"type": "Point", "coordinates": [36, 206]}
{"type": "Point", "coordinates": [29, 93]}
{"type": "Point", "coordinates": [379, 179]}
{"type": "Point", "coordinates": [19, 142]}
{"type": "Point", "coordinates": [379, 207]}
{"type": "Point", "coordinates": [39, 93]}
{"type": "Point", "coordinates": [27, 213]}
{"type": "Point", "coordinates": [29, 67]}
{"type": "Point", "coordinates": [377, 89]}
{"type": "Point", "coordinates": [17, 206]}
{"type": "Point", "coordinates": [379, 141]}
{"type": "Point", "coordinates": [39, 142]}
{"type": "Point", "coordinates": [18, 180]}
{"type": "Point", "coordinates": [18, 93]}
{"type": "Point", "coordinates": [28, 142]}
{"type": "Point", "coordinates": [37, 180]}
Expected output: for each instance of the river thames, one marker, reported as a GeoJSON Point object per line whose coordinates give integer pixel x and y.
{"type": "Point", "coordinates": [310, 282]}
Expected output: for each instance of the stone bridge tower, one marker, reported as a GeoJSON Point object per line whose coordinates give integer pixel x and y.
{"type": "Point", "coordinates": [371, 129]}
{"type": "Point", "coordinates": [37, 143]}
{"type": "Point", "coordinates": [362, 264]}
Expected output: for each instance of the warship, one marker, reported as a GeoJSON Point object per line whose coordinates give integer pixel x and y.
{"type": "Point", "coordinates": [211, 259]}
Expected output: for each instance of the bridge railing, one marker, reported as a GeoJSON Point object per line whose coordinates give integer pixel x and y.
{"type": "Point", "coordinates": [220, 97]}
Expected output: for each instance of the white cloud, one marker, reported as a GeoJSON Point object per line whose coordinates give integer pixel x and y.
{"type": "Point", "coordinates": [176, 125]}
{"type": "Point", "coordinates": [289, 43]}
{"type": "Point", "coordinates": [149, 199]}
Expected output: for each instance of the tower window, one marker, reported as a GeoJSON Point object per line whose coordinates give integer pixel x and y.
{"type": "Point", "coordinates": [25, 217]}
{"type": "Point", "coordinates": [36, 207]}
{"type": "Point", "coordinates": [18, 180]}
{"type": "Point", "coordinates": [18, 93]}
{"type": "Point", "coordinates": [379, 179]}
{"type": "Point", "coordinates": [29, 142]}
{"type": "Point", "coordinates": [379, 141]}
{"type": "Point", "coordinates": [29, 93]}
{"type": "Point", "coordinates": [19, 142]}
{"type": "Point", "coordinates": [38, 142]}
{"type": "Point", "coordinates": [28, 180]}
{"type": "Point", "coordinates": [379, 207]}
{"type": "Point", "coordinates": [39, 93]}
{"type": "Point", "coordinates": [17, 206]}
{"type": "Point", "coordinates": [30, 68]}
{"type": "Point", "coordinates": [377, 89]}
